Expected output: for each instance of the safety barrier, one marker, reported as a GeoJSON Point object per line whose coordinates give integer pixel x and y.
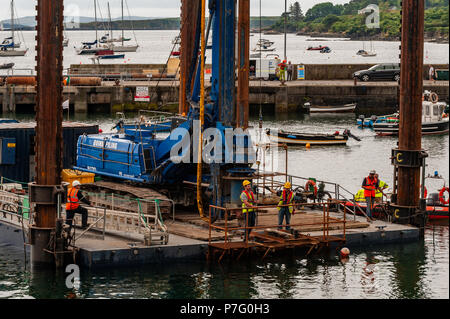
{"type": "Point", "coordinates": [272, 238]}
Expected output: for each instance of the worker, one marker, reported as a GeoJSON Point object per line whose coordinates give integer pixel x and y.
{"type": "Point", "coordinates": [379, 192]}
{"type": "Point", "coordinates": [282, 68]}
{"type": "Point", "coordinates": [290, 71]}
{"type": "Point", "coordinates": [286, 198]}
{"type": "Point", "coordinates": [74, 197]}
{"type": "Point", "coordinates": [359, 196]}
{"type": "Point", "coordinates": [248, 207]}
{"type": "Point", "coordinates": [370, 185]}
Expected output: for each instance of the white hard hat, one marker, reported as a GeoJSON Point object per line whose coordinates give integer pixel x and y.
{"type": "Point", "coordinates": [76, 183]}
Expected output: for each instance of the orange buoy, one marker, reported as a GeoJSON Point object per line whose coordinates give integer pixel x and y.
{"type": "Point", "coordinates": [345, 252]}
{"type": "Point", "coordinates": [21, 80]}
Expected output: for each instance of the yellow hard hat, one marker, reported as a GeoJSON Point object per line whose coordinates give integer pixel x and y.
{"type": "Point", "coordinates": [287, 185]}
{"type": "Point", "coordinates": [246, 182]}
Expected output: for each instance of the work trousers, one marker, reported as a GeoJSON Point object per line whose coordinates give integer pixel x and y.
{"type": "Point", "coordinates": [251, 222]}
{"type": "Point", "coordinates": [282, 75]}
{"type": "Point", "coordinates": [282, 213]}
{"type": "Point", "coordinates": [370, 201]}
{"type": "Point", "coordinates": [289, 77]}
{"type": "Point", "coordinates": [80, 210]}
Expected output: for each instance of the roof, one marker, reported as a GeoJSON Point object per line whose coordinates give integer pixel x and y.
{"type": "Point", "coordinates": [32, 125]}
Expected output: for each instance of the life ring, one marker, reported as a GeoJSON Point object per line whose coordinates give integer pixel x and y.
{"type": "Point", "coordinates": [425, 193]}
{"type": "Point", "coordinates": [311, 183]}
{"type": "Point", "coordinates": [434, 97]}
{"type": "Point", "coordinates": [441, 195]}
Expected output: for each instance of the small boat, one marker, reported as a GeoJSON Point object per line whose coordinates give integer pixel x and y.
{"type": "Point", "coordinates": [325, 50]}
{"type": "Point", "coordinates": [369, 121]}
{"type": "Point", "coordinates": [435, 118]}
{"type": "Point", "coordinates": [263, 48]}
{"type": "Point", "coordinates": [368, 54]}
{"type": "Point", "coordinates": [296, 138]}
{"type": "Point", "coordinates": [320, 47]}
{"type": "Point", "coordinates": [347, 108]}
{"type": "Point", "coordinates": [6, 66]}
{"type": "Point", "coordinates": [153, 122]}
{"type": "Point", "coordinates": [108, 56]}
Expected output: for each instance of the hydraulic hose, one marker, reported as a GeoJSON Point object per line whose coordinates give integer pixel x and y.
{"type": "Point", "coordinates": [202, 115]}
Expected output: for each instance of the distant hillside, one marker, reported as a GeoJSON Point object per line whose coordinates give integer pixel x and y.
{"type": "Point", "coordinates": [169, 24]}
{"type": "Point", "coordinates": [30, 21]}
{"type": "Point", "coordinates": [344, 20]}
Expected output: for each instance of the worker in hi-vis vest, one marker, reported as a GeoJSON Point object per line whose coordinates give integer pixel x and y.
{"type": "Point", "coordinates": [74, 197]}
{"type": "Point", "coordinates": [379, 192]}
{"type": "Point", "coordinates": [286, 198]}
{"type": "Point", "coordinates": [370, 185]}
{"type": "Point", "coordinates": [248, 207]}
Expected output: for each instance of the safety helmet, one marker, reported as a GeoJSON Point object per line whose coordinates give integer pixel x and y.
{"type": "Point", "coordinates": [373, 172]}
{"type": "Point", "coordinates": [76, 183]}
{"type": "Point", "coordinates": [287, 185]}
{"type": "Point", "coordinates": [246, 182]}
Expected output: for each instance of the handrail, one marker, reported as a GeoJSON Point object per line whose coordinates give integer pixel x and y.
{"type": "Point", "coordinates": [326, 219]}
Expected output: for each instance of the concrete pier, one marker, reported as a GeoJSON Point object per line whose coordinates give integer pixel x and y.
{"type": "Point", "coordinates": [371, 97]}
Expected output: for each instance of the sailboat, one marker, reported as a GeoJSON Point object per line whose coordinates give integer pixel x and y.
{"type": "Point", "coordinates": [365, 53]}
{"type": "Point", "coordinates": [91, 47]}
{"type": "Point", "coordinates": [123, 47]}
{"type": "Point", "coordinates": [8, 46]}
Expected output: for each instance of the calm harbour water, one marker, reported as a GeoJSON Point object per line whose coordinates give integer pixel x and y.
{"type": "Point", "coordinates": [414, 270]}
{"type": "Point", "coordinates": [155, 47]}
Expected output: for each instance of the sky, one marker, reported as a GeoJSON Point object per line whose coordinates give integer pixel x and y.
{"type": "Point", "coordinates": [150, 8]}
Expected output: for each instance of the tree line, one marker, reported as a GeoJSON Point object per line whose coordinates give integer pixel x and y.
{"type": "Point", "coordinates": [346, 20]}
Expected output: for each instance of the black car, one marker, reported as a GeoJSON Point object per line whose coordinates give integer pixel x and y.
{"type": "Point", "coordinates": [385, 71]}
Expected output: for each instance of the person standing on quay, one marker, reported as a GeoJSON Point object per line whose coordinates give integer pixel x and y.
{"type": "Point", "coordinates": [290, 70]}
{"type": "Point", "coordinates": [282, 67]}
{"type": "Point", "coordinates": [431, 73]}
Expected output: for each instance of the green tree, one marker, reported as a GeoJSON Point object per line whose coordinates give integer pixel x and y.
{"type": "Point", "coordinates": [322, 10]}
{"type": "Point", "coordinates": [296, 12]}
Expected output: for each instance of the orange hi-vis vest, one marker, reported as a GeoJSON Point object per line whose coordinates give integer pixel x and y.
{"type": "Point", "coordinates": [72, 199]}
{"type": "Point", "coordinates": [370, 183]}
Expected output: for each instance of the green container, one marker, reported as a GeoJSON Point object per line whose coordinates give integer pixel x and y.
{"type": "Point", "coordinates": [442, 75]}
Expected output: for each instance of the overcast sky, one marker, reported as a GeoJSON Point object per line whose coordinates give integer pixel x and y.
{"type": "Point", "coordinates": [149, 8]}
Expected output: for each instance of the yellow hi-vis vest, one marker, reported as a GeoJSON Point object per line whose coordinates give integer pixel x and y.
{"type": "Point", "coordinates": [359, 197]}
{"type": "Point", "coordinates": [250, 198]}
{"type": "Point", "coordinates": [286, 201]}
{"type": "Point", "coordinates": [382, 185]}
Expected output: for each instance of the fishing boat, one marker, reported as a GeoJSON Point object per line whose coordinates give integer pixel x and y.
{"type": "Point", "coordinates": [296, 138]}
{"type": "Point", "coordinates": [434, 118]}
{"type": "Point", "coordinates": [347, 108]}
{"type": "Point", "coordinates": [149, 122]}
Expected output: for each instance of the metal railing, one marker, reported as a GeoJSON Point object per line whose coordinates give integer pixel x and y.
{"type": "Point", "coordinates": [227, 212]}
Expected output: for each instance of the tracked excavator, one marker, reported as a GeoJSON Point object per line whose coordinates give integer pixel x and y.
{"type": "Point", "coordinates": [203, 160]}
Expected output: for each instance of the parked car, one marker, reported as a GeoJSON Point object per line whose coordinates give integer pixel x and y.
{"type": "Point", "coordinates": [384, 71]}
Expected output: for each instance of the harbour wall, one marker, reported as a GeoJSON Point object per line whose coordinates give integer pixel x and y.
{"type": "Point", "coordinates": [110, 96]}
{"type": "Point", "coordinates": [313, 72]}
